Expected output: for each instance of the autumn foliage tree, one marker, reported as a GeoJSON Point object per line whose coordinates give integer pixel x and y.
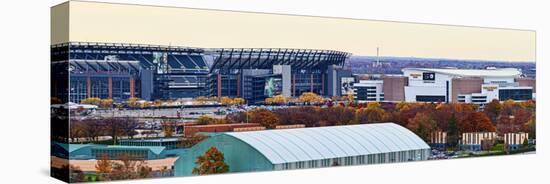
{"type": "Point", "coordinates": [493, 110]}
{"type": "Point", "coordinates": [277, 100]}
{"type": "Point", "coordinates": [423, 125]}
{"type": "Point", "coordinates": [308, 116]}
{"type": "Point", "coordinates": [310, 98]}
{"type": "Point", "coordinates": [190, 140]}
{"type": "Point", "coordinates": [91, 101]}
{"type": "Point", "coordinates": [129, 168]}
{"type": "Point", "coordinates": [211, 162]}
{"type": "Point", "coordinates": [264, 117]}
{"type": "Point", "coordinates": [168, 128]}
{"type": "Point", "coordinates": [338, 115]}
{"type": "Point", "coordinates": [104, 166]}
{"type": "Point", "coordinates": [476, 122]}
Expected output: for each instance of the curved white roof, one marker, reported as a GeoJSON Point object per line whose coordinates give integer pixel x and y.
{"type": "Point", "coordinates": [498, 72]}
{"type": "Point", "coordinates": [303, 144]}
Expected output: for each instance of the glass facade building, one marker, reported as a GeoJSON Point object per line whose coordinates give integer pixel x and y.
{"type": "Point", "coordinates": [515, 94]}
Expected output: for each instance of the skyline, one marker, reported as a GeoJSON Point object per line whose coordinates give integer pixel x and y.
{"type": "Point", "coordinates": [100, 22]}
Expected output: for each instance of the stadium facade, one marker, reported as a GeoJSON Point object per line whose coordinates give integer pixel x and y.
{"type": "Point", "coordinates": [122, 71]}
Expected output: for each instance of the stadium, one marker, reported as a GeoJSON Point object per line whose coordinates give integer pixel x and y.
{"type": "Point", "coordinates": [120, 71]}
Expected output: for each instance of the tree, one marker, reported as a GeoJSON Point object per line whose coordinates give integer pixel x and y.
{"type": "Point", "coordinates": [190, 140]}
{"type": "Point", "coordinates": [103, 166]}
{"type": "Point", "coordinates": [264, 117]}
{"type": "Point", "coordinates": [338, 115]}
{"type": "Point", "coordinates": [238, 101]}
{"type": "Point", "coordinates": [493, 110]}
{"type": "Point", "coordinates": [91, 128]}
{"type": "Point", "coordinates": [310, 98]}
{"type": "Point", "coordinates": [476, 122]}
{"type": "Point", "coordinates": [423, 125]}
{"type": "Point", "coordinates": [231, 101]}
{"type": "Point", "coordinates": [279, 100]}
{"type": "Point", "coordinates": [375, 114]}
{"type": "Point", "coordinates": [129, 168]}
{"type": "Point", "coordinates": [452, 132]}
{"type": "Point", "coordinates": [306, 115]}
{"type": "Point", "coordinates": [106, 103]}
{"type": "Point", "coordinates": [361, 116]}
{"type": "Point", "coordinates": [76, 174]}
{"type": "Point", "coordinates": [133, 102]}
{"type": "Point", "coordinates": [76, 130]}
{"type": "Point", "coordinates": [91, 101]}
{"type": "Point", "coordinates": [168, 128]}
{"type": "Point", "coordinates": [508, 107]}
{"type": "Point", "coordinates": [236, 117]}
{"type": "Point", "coordinates": [117, 127]}
{"type": "Point", "coordinates": [143, 170]}
{"type": "Point", "coordinates": [531, 127]}
{"type": "Point", "coordinates": [204, 120]}
{"type": "Point", "coordinates": [211, 162]}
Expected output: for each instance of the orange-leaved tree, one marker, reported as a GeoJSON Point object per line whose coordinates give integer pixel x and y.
{"type": "Point", "coordinates": [211, 162]}
{"type": "Point", "coordinates": [104, 166]}
{"type": "Point", "coordinates": [476, 122]}
{"type": "Point", "coordinates": [264, 117]}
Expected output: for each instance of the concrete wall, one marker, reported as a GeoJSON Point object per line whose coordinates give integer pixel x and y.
{"type": "Point", "coordinates": [465, 86]}
{"type": "Point", "coordinates": [527, 82]}
{"type": "Point", "coordinates": [394, 88]}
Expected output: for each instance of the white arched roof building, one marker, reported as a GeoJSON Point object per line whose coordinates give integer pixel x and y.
{"type": "Point", "coordinates": [305, 144]}
{"type": "Point", "coordinates": [311, 148]}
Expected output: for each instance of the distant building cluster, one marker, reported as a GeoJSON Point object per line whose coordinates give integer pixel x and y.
{"type": "Point", "coordinates": [448, 85]}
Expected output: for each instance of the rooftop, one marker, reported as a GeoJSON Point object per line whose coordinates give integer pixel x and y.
{"type": "Point", "coordinates": [498, 72]}
{"type": "Point", "coordinates": [303, 144]}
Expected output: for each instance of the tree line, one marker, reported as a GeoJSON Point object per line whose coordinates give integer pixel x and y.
{"type": "Point", "coordinates": [421, 118]}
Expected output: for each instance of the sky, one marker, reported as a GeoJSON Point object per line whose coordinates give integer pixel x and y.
{"type": "Point", "coordinates": [119, 23]}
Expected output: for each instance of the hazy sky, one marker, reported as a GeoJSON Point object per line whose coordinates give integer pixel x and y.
{"type": "Point", "coordinates": [102, 22]}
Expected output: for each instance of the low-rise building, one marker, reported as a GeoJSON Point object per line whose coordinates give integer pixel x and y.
{"type": "Point", "coordinates": [474, 141]}
{"type": "Point", "coordinates": [514, 141]}
{"type": "Point", "coordinates": [438, 140]}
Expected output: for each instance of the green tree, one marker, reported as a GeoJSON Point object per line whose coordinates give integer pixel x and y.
{"type": "Point", "coordinates": [211, 162]}
{"type": "Point", "coordinates": [452, 132]}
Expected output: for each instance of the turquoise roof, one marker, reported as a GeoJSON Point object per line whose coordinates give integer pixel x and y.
{"type": "Point", "coordinates": [74, 147]}
{"type": "Point", "coordinates": [155, 149]}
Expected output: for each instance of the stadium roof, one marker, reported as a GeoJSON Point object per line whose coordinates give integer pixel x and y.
{"type": "Point", "coordinates": [265, 58]}
{"type": "Point", "coordinates": [498, 72]}
{"type": "Point", "coordinates": [303, 144]}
